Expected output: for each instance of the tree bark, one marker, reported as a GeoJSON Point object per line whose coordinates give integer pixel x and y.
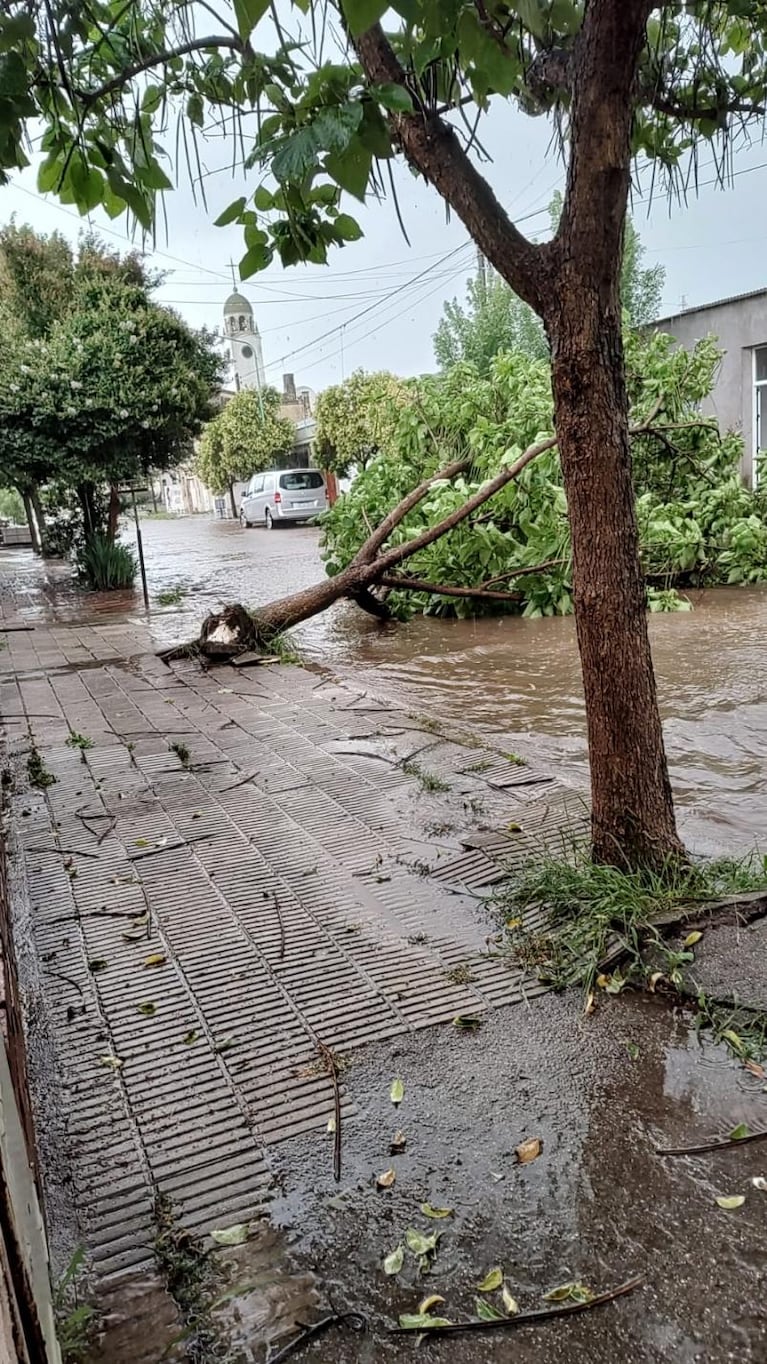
{"type": "Point", "coordinates": [632, 808]}
{"type": "Point", "coordinates": [85, 494]}
{"type": "Point", "coordinates": [37, 508]}
{"type": "Point", "coordinates": [235, 512]}
{"type": "Point", "coordinates": [33, 533]}
{"type": "Point", "coordinates": [114, 512]}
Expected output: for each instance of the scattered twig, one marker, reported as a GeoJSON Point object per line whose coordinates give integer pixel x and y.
{"type": "Point", "coordinates": [59, 975]}
{"type": "Point", "coordinates": [67, 852]}
{"type": "Point", "coordinates": [88, 820]}
{"type": "Point", "coordinates": [539, 1316]}
{"type": "Point", "coordinates": [249, 776]}
{"type": "Point", "coordinates": [355, 1320]}
{"type": "Point", "coordinates": [331, 1066]}
{"type": "Point", "coordinates": [13, 629]}
{"type": "Point", "coordinates": [168, 847]}
{"type": "Point", "coordinates": [723, 1144]}
{"type": "Point", "coordinates": [281, 921]}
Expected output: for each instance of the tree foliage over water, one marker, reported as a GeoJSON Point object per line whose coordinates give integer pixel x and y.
{"type": "Point", "coordinates": [699, 524]}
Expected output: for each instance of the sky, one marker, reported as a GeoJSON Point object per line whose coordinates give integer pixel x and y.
{"type": "Point", "coordinates": [378, 303]}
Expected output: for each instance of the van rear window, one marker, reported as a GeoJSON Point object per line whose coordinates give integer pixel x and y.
{"type": "Point", "coordinates": [301, 480]}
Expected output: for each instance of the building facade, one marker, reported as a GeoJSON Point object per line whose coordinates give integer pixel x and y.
{"type": "Point", "coordinates": [739, 396]}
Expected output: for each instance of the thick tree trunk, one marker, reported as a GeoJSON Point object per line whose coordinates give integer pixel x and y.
{"type": "Point", "coordinates": [85, 494]}
{"type": "Point", "coordinates": [235, 512]}
{"type": "Point", "coordinates": [33, 532]}
{"type": "Point", "coordinates": [632, 808]}
{"type": "Point", "coordinates": [114, 512]}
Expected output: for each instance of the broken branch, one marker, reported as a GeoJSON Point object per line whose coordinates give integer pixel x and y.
{"type": "Point", "coordinates": [723, 1144]}
{"type": "Point", "coordinates": [406, 584]}
{"type": "Point", "coordinates": [538, 1316]}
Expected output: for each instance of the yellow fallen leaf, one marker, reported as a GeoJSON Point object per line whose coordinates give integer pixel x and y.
{"type": "Point", "coordinates": [492, 1280]}
{"type": "Point", "coordinates": [386, 1180]}
{"type": "Point", "coordinates": [691, 939]}
{"type": "Point", "coordinates": [590, 1004]}
{"type": "Point", "coordinates": [113, 1062]}
{"type": "Point", "coordinates": [653, 981]}
{"type": "Point", "coordinates": [734, 1201]}
{"type": "Point", "coordinates": [528, 1150]}
{"type": "Point", "coordinates": [331, 1124]}
{"type": "Point", "coordinates": [432, 1301]}
{"type": "Point", "coordinates": [602, 980]}
{"type": "Point", "coordinates": [156, 959]}
{"type": "Point", "coordinates": [510, 1303]}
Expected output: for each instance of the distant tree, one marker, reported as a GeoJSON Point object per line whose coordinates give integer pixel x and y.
{"type": "Point", "coordinates": [119, 385]}
{"type": "Point", "coordinates": [246, 436]}
{"type": "Point", "coordinates": [356, 419]}
{"type": "Point", "coordinates": [495, 319]}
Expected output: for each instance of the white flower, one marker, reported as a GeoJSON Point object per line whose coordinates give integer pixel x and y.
{"type": "Point", "coordinates": [25, 369]}
{"type": "Point", "coordinates": [75, 383]}
{"type": "Point", "coordinates": [123, 413]}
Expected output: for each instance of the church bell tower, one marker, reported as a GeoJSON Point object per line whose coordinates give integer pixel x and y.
{"type": "Point", "coordinates": [244, 342]}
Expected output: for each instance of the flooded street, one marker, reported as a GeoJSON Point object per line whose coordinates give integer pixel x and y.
{"type": "Point", "coordinates": [516, 679]}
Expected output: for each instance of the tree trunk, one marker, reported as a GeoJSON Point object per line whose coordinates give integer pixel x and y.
{"type": "Point", "coordinates": [114, 512]}
{"type": "Point", "coordinates": [34, 536]}
{"type": "Point", "coordinates": [37, 508]}
{"type": "Point", "coordinates": [632, 808]}
{"type": "Point", "coordinates": [632, 811]}
{"type": "Point", "coordinates": [235, 512]}
{"type": "Point", "coordinates": [85, 494]}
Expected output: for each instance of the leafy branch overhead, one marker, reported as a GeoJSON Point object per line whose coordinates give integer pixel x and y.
{"type": "Point", "coordinates": [109, 81]}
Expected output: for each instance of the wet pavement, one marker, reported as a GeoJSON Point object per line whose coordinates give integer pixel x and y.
{"type": "Point", "coordinates": [330, 895]}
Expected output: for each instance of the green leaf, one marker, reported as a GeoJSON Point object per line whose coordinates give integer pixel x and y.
{"type": "Point", "coordinates": [394, 1261]}
{"type": "Point", "coordinates": [231, 1236]}
{"type": "Point", "coordinates": [195, 110]}
{"type": "Point", "coordinates": [418, 1321]}
{"type": "Point", "coordinates": [492, 1280]}
{"type": "Point", "coordinates": [148, 1008]}
{"type": "Point", "coordinates": [569, 1292]}
{"type": "Point", "coordinates": [532, 16]}
{"type": "Point", "coordinates": [734, 1040]}
{"type": "Point", "coordinates": [436, 1213]}
{"type": "Point", "coordinates": [49, 175]}
{"type": "Point", "coordinates": [731, 1203]}
{"type": "Point", "coordinates": [257, 258]}
{"type": "Point", "coordinates": [351, 169]}
{"type": "Point", "coordinates": [153, 98]}
{"type": "Point", "coordinates": [232, 213]}
{"type": "Point", "coordinates": [248, 13]}
{"type": "Point", "coordinates": [467, 1022]}
{"type": "Point", "coordinates": [154, 177]}
{"type": "Point", "coordinates": [97, 964]}
{"type": "Point", "coordinates": [393, 97]}
{"type": "Point", "coordinates": [397, 1092]}
{"type": "Point", "coordinates": [263, 198]}
{"type": "Point", "coordinates": [362, 14]}
{"type": "Point", "coordinates": [420, 1244]}
{"type": "Point", "coordinates": [738, 1133]}
{"type": "Point", "coordinates": [347, 227]}
{"type": "Point", "coordinates": [486, 1311]}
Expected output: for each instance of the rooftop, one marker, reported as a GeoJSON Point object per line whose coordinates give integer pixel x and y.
{"type": "Point", "coordinates": [704, 307]}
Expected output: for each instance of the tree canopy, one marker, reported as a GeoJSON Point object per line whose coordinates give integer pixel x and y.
{"type": "Point", "coordinates": [98, 384]}
{"type": "Point", "coordinates": [356, 419]}
{"type": "Point", "coordinates": [495, 319]}
{"type": "Point", "coordinates": [698, 524]}
{"type": "Point", "coordinates": [247, 435]}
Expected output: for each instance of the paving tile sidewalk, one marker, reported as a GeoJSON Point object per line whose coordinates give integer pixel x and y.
{"type": "Point", "coordinates": [239, 865]}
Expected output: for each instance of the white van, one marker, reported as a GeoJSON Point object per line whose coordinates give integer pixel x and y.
{"type": "Point", "coordinates": [292, 495]}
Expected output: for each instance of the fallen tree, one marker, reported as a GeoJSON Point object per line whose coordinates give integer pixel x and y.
{"type": "Point", "coordinates": [236, 629]}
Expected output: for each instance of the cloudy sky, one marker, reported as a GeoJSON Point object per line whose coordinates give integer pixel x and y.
{"type": "Point", "coordinates": [379, 301]}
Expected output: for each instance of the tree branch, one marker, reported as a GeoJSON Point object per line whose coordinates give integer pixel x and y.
{"type": "Point", "coordinates": [367, 552]}
{"type": "Point", "coordinates": [403, 583]}
{"type": "Point", "coordinates": [432, 147]}
{"type": "Point", "coordinates": [213, 41]}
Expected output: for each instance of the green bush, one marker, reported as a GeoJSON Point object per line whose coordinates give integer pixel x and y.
{"type": "Point", "coordinates": [12, 507]}
{"type": "Point", "coordinates": [106, 565]}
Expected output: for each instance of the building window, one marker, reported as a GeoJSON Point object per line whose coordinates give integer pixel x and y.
{"type": "Point", "coordinates": [760, 410]}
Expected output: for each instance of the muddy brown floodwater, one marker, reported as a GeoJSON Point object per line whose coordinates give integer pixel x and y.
{"type": "Point", "coordinates": [518, 679]}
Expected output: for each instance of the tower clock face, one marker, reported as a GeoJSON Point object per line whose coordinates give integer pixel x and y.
{"type": "Point", "coordinates": [247, 352]}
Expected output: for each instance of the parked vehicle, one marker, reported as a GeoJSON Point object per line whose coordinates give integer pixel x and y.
{"type": "Point", "coordinates": [290, 495]}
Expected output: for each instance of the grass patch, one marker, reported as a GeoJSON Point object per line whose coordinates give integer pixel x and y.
{"type": "Point", "coordinates": [75, 1318]}
{"type": "Point", "coordinates": [281, 647]}
{"type": "Point", "coordinates": [37, 772]}
{"type": "Point", "coordinates": [80, 741]}
{"type": "Point", "coordinates": [171, 596]}
{"type": "Point", "coordinates": [190, 1277]}
{"type": "Point", "coordinates": [182, 753]}
{"type": "Point", "coordinates": [428, 780]}
{"type": "Point", "coordinates": [107, 565]}
{"type": "Point", "coordinates": [593, 908]}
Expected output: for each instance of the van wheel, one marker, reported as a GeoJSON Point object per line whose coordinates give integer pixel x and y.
{"type": "Point", "coordinates": [268, 520]}
{"type": "Point", "coordinates": [244, 522]}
